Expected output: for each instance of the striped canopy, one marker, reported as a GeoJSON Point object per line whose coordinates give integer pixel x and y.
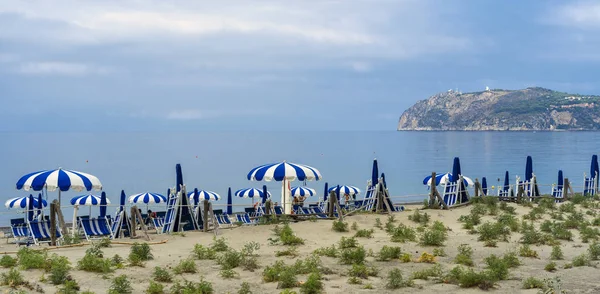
{"type": "Point", "coordinates": [23, 202]}
{"type": "Point", "coordinates": [284, 170]}
{"type": "Point", "coordinates": [205, 195]}
{"type": "Point", "coordinates": [441, 179]}
{"type": "Point", "coordinates": [251, 193]}
{"type": "Point", "coordinates": [147, 198]}
{"type": "Point", "coordinates": [62, 179]}
{"type": "Point", "coordinates": [303, 191]}
{"type": "Point", "coordinates": [89, 200]}
{"type": "Point", "coordinates": [350, 190]}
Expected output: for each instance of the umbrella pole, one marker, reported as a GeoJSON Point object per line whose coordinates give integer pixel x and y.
{"type": "Point", "coordinates": [58, 197]}
{"type": "Point", "coordinates": [75, 219]}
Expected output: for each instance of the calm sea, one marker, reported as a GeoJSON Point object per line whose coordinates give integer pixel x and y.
{"type": "Point", "coordinates": [140, 162]}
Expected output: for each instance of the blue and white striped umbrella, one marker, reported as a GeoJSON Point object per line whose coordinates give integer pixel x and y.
{"type": "Point", "coordinates": [61, 179]}
{"type": "Point", "coordinates": [441, 179]}
{"type": "Point", "coordinates": [350, 190]}
{"type": "Point", "coordinates": [204, 195]}
{"type": "Point", "coordinates": [89, 200]}
{"type": "Point", "coordinates": [284, 170]}
{"type": "Point", "coordinates": [251, 193]}
{"type": "Point", "coordinates": [302, 191]}
{"type": "Point", "coordinates": [23, 202]}
{"type": "Point", "coordinates": [147, 198]}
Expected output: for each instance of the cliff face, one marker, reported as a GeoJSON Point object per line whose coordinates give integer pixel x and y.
{"type": "Point", "coordinates": [501, 110]}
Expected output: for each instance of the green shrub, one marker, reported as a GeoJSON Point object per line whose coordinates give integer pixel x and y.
{"type": "Point", "coordinates": [433, 272]}
{"type": "Point", "coordinates": [508, 209]}
{"type": "Point", "coordinates": [142, 251]}
{"type": "Point", "coordinates": [588, 233]}
{"type": "Point", "coordinates": [220, 244]}
{"type": "Point", "coordinates": [493, 231]}
{"type": "Point", "coordinates": [421, 218]}
{"type": "Point", "coordinates": [550, 267]}
{"type": "Point", "coordinates": [470, 221]}
{"type": "Point", "coordinates": [533, 283]}
{"type": "Point", "coordinates": [402, 233]}
{"type": "Point", "coordinates": [465, 255]}
{"type": "Point", "coordinates": [70, 287]}
{"type": "Point", "coordinates": [116, 261]}
{"type": "Point", "coordinates": [287, 237]}
{"type": "Point", "coordinates": [92, 263]}
{"type": "Point", "coordinates": [529, 235]}
{"type": "Point", "coordinates": [228, 274]}
{"type": "Point", "coordinates": [312, 285]}
{"type": "Point", "coordinates": [567, 207]}
{"type": "Point", "coordinates": [120, 285]}
{"type": "Point", "coordinates": [378, 224]}
{"type": "Point", "coordinates": [478, 209]}
{"type": "Point", "coordinates": [155, 288]}
{"type": "Point", "coordinates": [499, 267]}
{"type": "Point", "coordinates": [556, 253]}
{"type": "Point", "coordinates": [581, 260]}
{"type": "Point", "coordinates": [353, 255]}
{"type": "Point", "coordinates": [389, 225]}
{"type": "Point", "coordinates": [202, 287]}
{"type": "Point", "coordinates": [104, 242]}
{"type": "Point", "coordinates": [547, 204]}
{"type": "Point", "coordinates": [439, 252]}
{"type": "Point", "coordinates": [339, 226]}
{"type": "Point", "coordinates": [469, 278]}
{"type": "Point", "coordinates": [244, 288]}
{"type": "Point", "coordinates": [546, 226]}
{"type": "Point", "coordinates": [271, 272]}
{"type": "Point", "coordinates": [435, 236]}
{"type": "Point", "coordinates": [389, 252]}
{"type": "Point", "coordinates": [287, 279]}
{"type": "Point", "coordinates": [12, 278]}
{"type": "Point", "coordinates": [594, 251]}
{"type": "Point", "coordinates": [8, 261]}
{"type": "Point", "coordinates": [509, 220]}
{"type": "Point", "coordinates": [348, 243]}
{"type": "Point", "coordinates": [162, 275]}
{"type": "Point", "coordinates": [526, 251]}
{"type": "Point", "coordinates": [396, 281]}
{"type": "Point", "coordinates": [289, 251]}
{"type": "Point", "coordinates": [364, 233]}
{"type": "Point", "coordinates": [327, 251]}
{"type": "Point", "coordinates": [309, 265]}
{"type": "Point", "coordinates": [202, 252]}
{"type": "Point", "coordinates": [561, 232]}
{"type": "Point", "coordinates": [185, 266]}
{"type": "Point", "coordinates": [229, 259]}
{"type": "Point", "coordinates": [59, 269]}
{"type": "Point", "coordinates": [31, 259]}
{"type": "Point", "coordinates": [362, 271]}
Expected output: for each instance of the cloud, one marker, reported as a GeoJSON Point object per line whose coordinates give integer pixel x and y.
{"type": "Point", "coordinates": [582, 15]}
{"type": "Point", "coordinates": [60, 68]}
{"type": "Point", "coordinates": [361, 66]}
{"type": "Point", "coordinates": [186, 114]}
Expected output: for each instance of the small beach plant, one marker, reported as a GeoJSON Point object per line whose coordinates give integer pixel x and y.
{"type": "Point", "coordinates": [312, 285]}
{"type": "Point", "coordinates": [353, 255]}
{"type": "Point", "coordinates": [435, 272]}
{"type": "Point", "coordinates": [244, 288]}
{"type": "Point", "coordinates": [550, 267]}
{"type": "Point", "coordinates": [229, 259]}
{"type": "Point", "coordinates": [364, 233]}
{"type": "Point", "coordinates": [420, 218]}
{"type": "Point", "coordinates": [31, 259]}
{"type": "Point", "coordinates": [426, 258]}
{"type": "Point", "coordinates": [465, 255]}
{"type": "Point", "coordinates": [59, 269]}
{"type": "Point", "coordinates": [339, 226]}
{"type": "Point", "coordinates": [439, 252]}
{"type": "Point", "coordinates": [556, 253]}
{"type": "Point", "coordinates": [120, 285]}
{"type": "Point", "coordinates": [434, 236]}
{"type": "Point", "coordinates": [291, 251]}
{"type": "Point", "coordinates": [594, 251]}
{"type": "Point", "coordinates": [8, 261]}
{"type": "Point", "coordinates": [142, 250]}
{"type": "Point", "coordinates": [395, 280]}
{"type": "Point", "coordinates": [228, 274]}
{"type": "Point", "coordinates": [402, 233]}
{"type": "Point", "coordinates": [347, 243]}
{"type": "Point", "coordinates": [354, 226]}
{"type": "Point", "coordinates": [533, 283]}
{"type": "Point", "coordinates": [162, 275]}
{"type": "Point", "coordinates": [526, 251]}
{"type": "Point", "coordinates": [378, 224]}
{"type": "Point", "coordinates": [387, 253]}
{"type": "Point", "coordinates": [287, 237]}
{"type": "Point", "coordinates": [362, 271]}
{"type": "Point", "coordinates": [70, 287]}
{"type": "Point", "coordinates": [220, 244]}
{"type": "Point", "coordinates": [201, 252]}
{"type": "Point", "coordinates": [13, 278]}
{"type": "Point", "coordinates": [92, 263]}
{"type": "Point", "coordinates": [185, 266]}
{"type": "Point", "coordinates": [203, 287]}
{"type": "Point", "coordinates": [155, 288]}
{"type": "Point", "coordinates": [581, 260]}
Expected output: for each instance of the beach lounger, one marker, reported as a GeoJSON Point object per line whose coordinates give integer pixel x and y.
{"type": "Point", "coordinates": [40, 231]}
{"type": "Point", "coordinates": [278, 210]}
{"type": "Point", "coordinates": [159, 223]}
{"type": "Point", "coordinates": [557, 193]}
{"type": "Point", "coordinates": [306, 210]}
{"type": "Point", "coordinates": [96, 228]}
{"type": "Point", "coordinates": [319, 212]}
{"type": "Point", "coordinates": [398, 207]}
{"type": "Point", "coordinates": [20, 230]}
{"type": "Point", "coordinates": [589, 186]}
{"type": "Point", "coordinates": [260, 211]}
{"type": "Point", "coordinates": [450, 193]}
{"type": "Point", "coordinates": [245, 219]}
{"type": "Point", "coordinates": [116, 225]}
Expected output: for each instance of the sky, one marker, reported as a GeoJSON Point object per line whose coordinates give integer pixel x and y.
{"type": "Point", "coordinates": [117, 66]}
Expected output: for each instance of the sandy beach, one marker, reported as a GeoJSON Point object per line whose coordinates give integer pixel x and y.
{"type": "Point", "coordinates": [319, 234]}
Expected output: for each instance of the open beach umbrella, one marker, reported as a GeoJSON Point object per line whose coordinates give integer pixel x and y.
{"type": "Point", "coordinates": [529, 169]}
{"type": "Point", "coordinates": [103, 204]}
{"type": "Point", "coordinates": [265, 194]}
{"type": "Point", "coordinates": [561, 180]}
{"type": "Point", "coordinates": [147, 198]}
{"type": "Point", "coordinates": [22, 202]}
{"type": "Point", "coordinates": [230, 202]}
{"type": "Point", "coordinates": [251, 193]}
{"type": "Point", "coordinates": [350, 190]}
{"type": "Point", "coordinates": [63, 180]}
{"type": "Point", "coordinates": [440, 178]}
{"type": "Point", "coordinates": [205, 195]}
{"type": "Point", "coordinates": [87, 200]}
{"type": "Point", "coordinates": [284, 172]}
{"type": "Point", "coordinates": [302, 191]}
{"type": "Point", "coordinates": [484, 186]}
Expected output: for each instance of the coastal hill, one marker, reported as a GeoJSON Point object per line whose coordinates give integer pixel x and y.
{"type": "Point", "coordinates": [535, 108]}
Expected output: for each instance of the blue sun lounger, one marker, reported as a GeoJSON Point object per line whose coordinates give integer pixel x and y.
{"type": "Point", "coordinates": [245, 219]}
{"type": "Point", "coordinates": [278, 210]}
{"type": "Point", "coordinates": [40, 231]}
{"type": "Point", "coordinates": [20, 230]}
{"type": "Point", "coordinates": [450, 193]}
{"type": "Point", "coordinates": [320, 214]}
{"type": "Point", "coordinates": [96, 228]}
{"type": "Point", "coordinates": [159, 223]}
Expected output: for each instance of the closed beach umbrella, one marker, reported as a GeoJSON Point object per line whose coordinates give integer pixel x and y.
{"type": "Point", "coordinates": [40, 203]}
{"type": "Point", "coordinates": [122, 202]}
{"type": "Point", "coordinates": [252, 193]}
{"type": "Point", "coordinates": [30, 207]}
{"type": "Point", "coordinates": [326, 193]}
{"type": "Point", "coordinates": [205, 195]}
{"type": "Point", "coordinates": [560, 179]}
{"type": "Point", "coordinates": [484, 186]}
{"type": "Point", "coordinates": [63, 180]}
{"type": "Point", "coordinates": [375, 173]}
{"type": "Point", "coordinates": [506, 182]}
{"type": "Point", "coordinates": [230, 202]}
{"type": "Point", "coordinates": [196, 197]}
{"type": "Point", "coordinates": [147, 198]}
{"type": "Point", "coordinates": [22, 202]}
{"type": "Point", "coordinates": [265, 194]}
{"type": "Point", "coordinates": [284, 172]}
{"type": "Point", "coordinates": [350, 190]}
{"type": "Point", "coordinates": [528, 169]}
{"type": "Point", "coordinates": [383, 179]}
{"type": "Point", "coordinates": [302, 191]}
{"type": "Point", "coordinates": [103, 204]}
{"type": "Point", "coordinates": [455, 170]}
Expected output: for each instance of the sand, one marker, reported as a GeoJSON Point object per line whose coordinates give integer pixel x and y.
{"type": "Point", "coordinates": [319, 234]}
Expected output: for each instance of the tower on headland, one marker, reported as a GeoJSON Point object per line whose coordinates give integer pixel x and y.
{"type": "Point", "coordinates": [487, 89]}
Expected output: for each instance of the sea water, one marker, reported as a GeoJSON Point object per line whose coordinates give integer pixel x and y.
{"type": "Point", "coordinates": [215, 161]}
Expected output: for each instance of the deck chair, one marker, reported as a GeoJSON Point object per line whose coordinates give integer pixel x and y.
{"type": "Point", "coordinates": [245, 219]}
{"type": "Point", "coordinates": [20, 230]}
{"type": "Point", "coordinates": [260, 211]}
{"type": "Point", "coordinates": [589, 186]}
{"type": "Point", "coordinates": [159, 223]}
{"type": "Point", "coordinates": [305, 210]}
{"type": "Point", "coordinates": [116, 225]}
{"type": "Point", "coordinates": [450, 193]}
{"type": "Point", "coordinates": [557, 193]}
{"type": "Point", "coordinates": [319, 212]}
{"type": "Point", "coordinates": [398, 207]}
{"type": "Point", "coordinates": [278, 210]}
{"type": "Point", "coordinates": [40, 231]}
{"type": "Point", "coordinates": [96, 228]}
{"type": "Point", "coordinates": [250, 211]}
